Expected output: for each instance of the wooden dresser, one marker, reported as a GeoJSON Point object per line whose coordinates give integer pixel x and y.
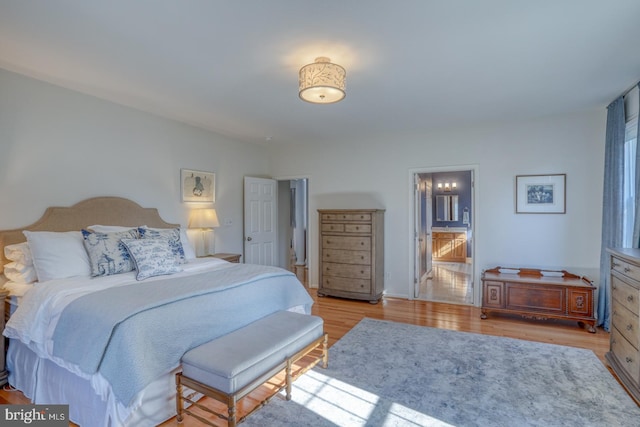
{"type": "Point", "coordinates": [352, 253]}
{"type": "Point", "coordinates": [538, 294]}
{"type": "Point", "coordinates": [624, 354]}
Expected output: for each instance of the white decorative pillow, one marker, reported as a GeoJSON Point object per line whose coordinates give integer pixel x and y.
{"type": "Point", "coordinates": [17, 289]}
{"type": "Point", "coordinates": [20, 273]}
{"type": "Point", "coordinates": [19, 252]}
{"type": "Point", "coordinates": [57, 255]}
{"type": "Point", "coordinates": [171, 234]}
{"type": "Point", "coordinates": [152, 257]}
{"type": "Point", "coordinates": [107, 255]}
{"type": "Point", "coordinates": [187, 247]}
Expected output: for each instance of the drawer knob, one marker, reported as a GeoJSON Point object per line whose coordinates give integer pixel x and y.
{"type": "Point", "coordinates": [627, 269]}
{"type": "Point", "coordinates": [357, 228]}
{"type": "Point", "coordinates": [628, 359]}
{"type": "Point", "coordinates": [328, 255]}
{"type": "Point", "coordinates": [629, 327]}
{"type": "Point", "coordinates": [630, 298]}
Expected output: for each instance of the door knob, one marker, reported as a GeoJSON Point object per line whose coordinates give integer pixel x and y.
{"type": "Point", "coordinates": [249, 239]}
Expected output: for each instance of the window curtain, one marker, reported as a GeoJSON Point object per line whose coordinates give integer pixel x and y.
{"type": "Point", "coordinates": [636, 222]}
{"type": "Point", "coordinates": [612, 203]}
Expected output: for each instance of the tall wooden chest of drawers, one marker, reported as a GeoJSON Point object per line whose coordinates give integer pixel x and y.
{"type": "Point", "coordinates": [624, 354]}
{"type": "Point", "coordinates": [352, 253]}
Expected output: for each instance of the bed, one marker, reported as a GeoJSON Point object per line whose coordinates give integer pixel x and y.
{"type": "Point", "coordinates": [108, 342]}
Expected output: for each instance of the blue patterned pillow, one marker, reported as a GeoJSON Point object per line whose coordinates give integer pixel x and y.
{"type": "Point", "coordinates": [107, 255]}
{"type": "Point", "coordinates": [171, 234]}
{"type": "Point", "coordinates": [152, 257]}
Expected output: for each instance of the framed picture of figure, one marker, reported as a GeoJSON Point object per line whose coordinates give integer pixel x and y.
{"type": "Point", "coordinates": [197, 186]}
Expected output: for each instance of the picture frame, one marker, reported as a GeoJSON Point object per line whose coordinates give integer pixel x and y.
{"type": "Point", "coordinates": [541, 194]}
{"type": "Point", "coordinates": [197, 186]}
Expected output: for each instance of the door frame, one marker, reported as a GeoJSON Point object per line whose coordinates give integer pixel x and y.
{"type": "Point", "coordinates": [475, 226]}
{"type": "Point", "coordinates": [311, 231]}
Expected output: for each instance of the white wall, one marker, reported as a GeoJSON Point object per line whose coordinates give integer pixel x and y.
{"type": "Point", "coordinates": [58, 147]}
{"type": "Point", "coordinates": [374, 172]}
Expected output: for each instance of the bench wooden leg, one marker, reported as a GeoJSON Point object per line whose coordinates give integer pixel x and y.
{"type": "Point", "coordinates": [325, 351]}
{"type": "Point", "coordinates": [231, 420]}
{"type": "Point", "coordinates": [179, 407]}
{"type": "Point", "coordinates": [288, 380]}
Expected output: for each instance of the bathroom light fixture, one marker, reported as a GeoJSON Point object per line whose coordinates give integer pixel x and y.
{"type": "Point", "coordinates": [447, 186]}
{"type": "Point", "coordinates": [322, 82]}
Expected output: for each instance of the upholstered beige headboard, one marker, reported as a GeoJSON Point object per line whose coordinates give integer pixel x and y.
{"type": "Point", "coordinates": [98, 210]}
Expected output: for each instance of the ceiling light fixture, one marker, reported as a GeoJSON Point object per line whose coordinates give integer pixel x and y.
{"type": "Point", "coordinates": [322, 82]}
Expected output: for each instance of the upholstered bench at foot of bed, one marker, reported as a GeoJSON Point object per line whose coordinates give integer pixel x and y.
{"type": "Point", "coordinates": [230, 367]}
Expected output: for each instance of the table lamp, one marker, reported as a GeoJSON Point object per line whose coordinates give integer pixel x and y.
{"type": "Point", "coordinates": [206, 220]}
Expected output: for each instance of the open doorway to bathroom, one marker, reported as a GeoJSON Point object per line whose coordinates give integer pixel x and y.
{"type": "Point", "coordinates": [444, 238]}
{"type": "Point", "coordinates": [293, 226]}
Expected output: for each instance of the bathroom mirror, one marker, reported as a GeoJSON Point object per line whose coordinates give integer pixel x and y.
{"type": "Point", "coordinates": [447, 208]}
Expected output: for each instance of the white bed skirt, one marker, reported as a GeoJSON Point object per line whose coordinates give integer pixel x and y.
{"type": "Point", "coordinates": [44, 382]}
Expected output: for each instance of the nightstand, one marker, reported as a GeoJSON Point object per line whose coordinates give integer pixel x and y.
{"type": "Point", "coordinates": [227, 257]}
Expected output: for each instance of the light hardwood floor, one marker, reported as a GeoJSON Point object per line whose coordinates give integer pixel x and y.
{"type": "Point", "coordinates": [449, 282]}
{"type": "Point", "coordinates": [341, 315]}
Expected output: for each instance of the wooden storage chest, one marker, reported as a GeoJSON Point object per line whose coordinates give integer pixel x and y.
{"type": "Point", "coordinates": [536, 294]}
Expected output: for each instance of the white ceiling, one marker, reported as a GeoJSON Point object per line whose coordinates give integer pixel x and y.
{"type": "Point", "coordinates": [412, 65]}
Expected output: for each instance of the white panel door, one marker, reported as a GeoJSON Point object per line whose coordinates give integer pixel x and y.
{"type": "Point", "coordinates": [260, 214]}
{"type": "Point", "coordinates": [423, 219]}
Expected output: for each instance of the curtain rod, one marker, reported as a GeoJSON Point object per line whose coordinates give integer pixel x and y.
{"type": "Point", "coordinates": [626, 92]}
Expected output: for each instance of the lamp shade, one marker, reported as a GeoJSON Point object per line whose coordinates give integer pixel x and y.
{"type": "Point", "coordinates": [203, 218]}
{"type": "Point", "coordinates": [322, 82]}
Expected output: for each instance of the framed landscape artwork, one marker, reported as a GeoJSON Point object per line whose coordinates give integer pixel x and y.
{"type": "Point", "coordinates": [197, 186]}
{"type": "Point", "coordinates": [541, 193]}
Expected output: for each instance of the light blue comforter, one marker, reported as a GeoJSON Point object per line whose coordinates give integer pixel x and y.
{"type": "Point", "coordinates": [134, 334]}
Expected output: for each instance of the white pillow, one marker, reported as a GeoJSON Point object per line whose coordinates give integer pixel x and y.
{"type": "Point", "coordinates": [152, 257]}
{"type": "Point", "coordinates": [19, 252]}
{"type": "Point", "coordinates": [57, 255]}
{"type": "Point", "coordinates": [17, 289]}
{"type": "Point", "coordinates": [17, 272]}
{"type": "Point", "coordinates": [187, 246]}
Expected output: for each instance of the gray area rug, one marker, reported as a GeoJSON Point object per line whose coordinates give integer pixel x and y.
{"type": "Point", "coordinates": [392, 374]}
